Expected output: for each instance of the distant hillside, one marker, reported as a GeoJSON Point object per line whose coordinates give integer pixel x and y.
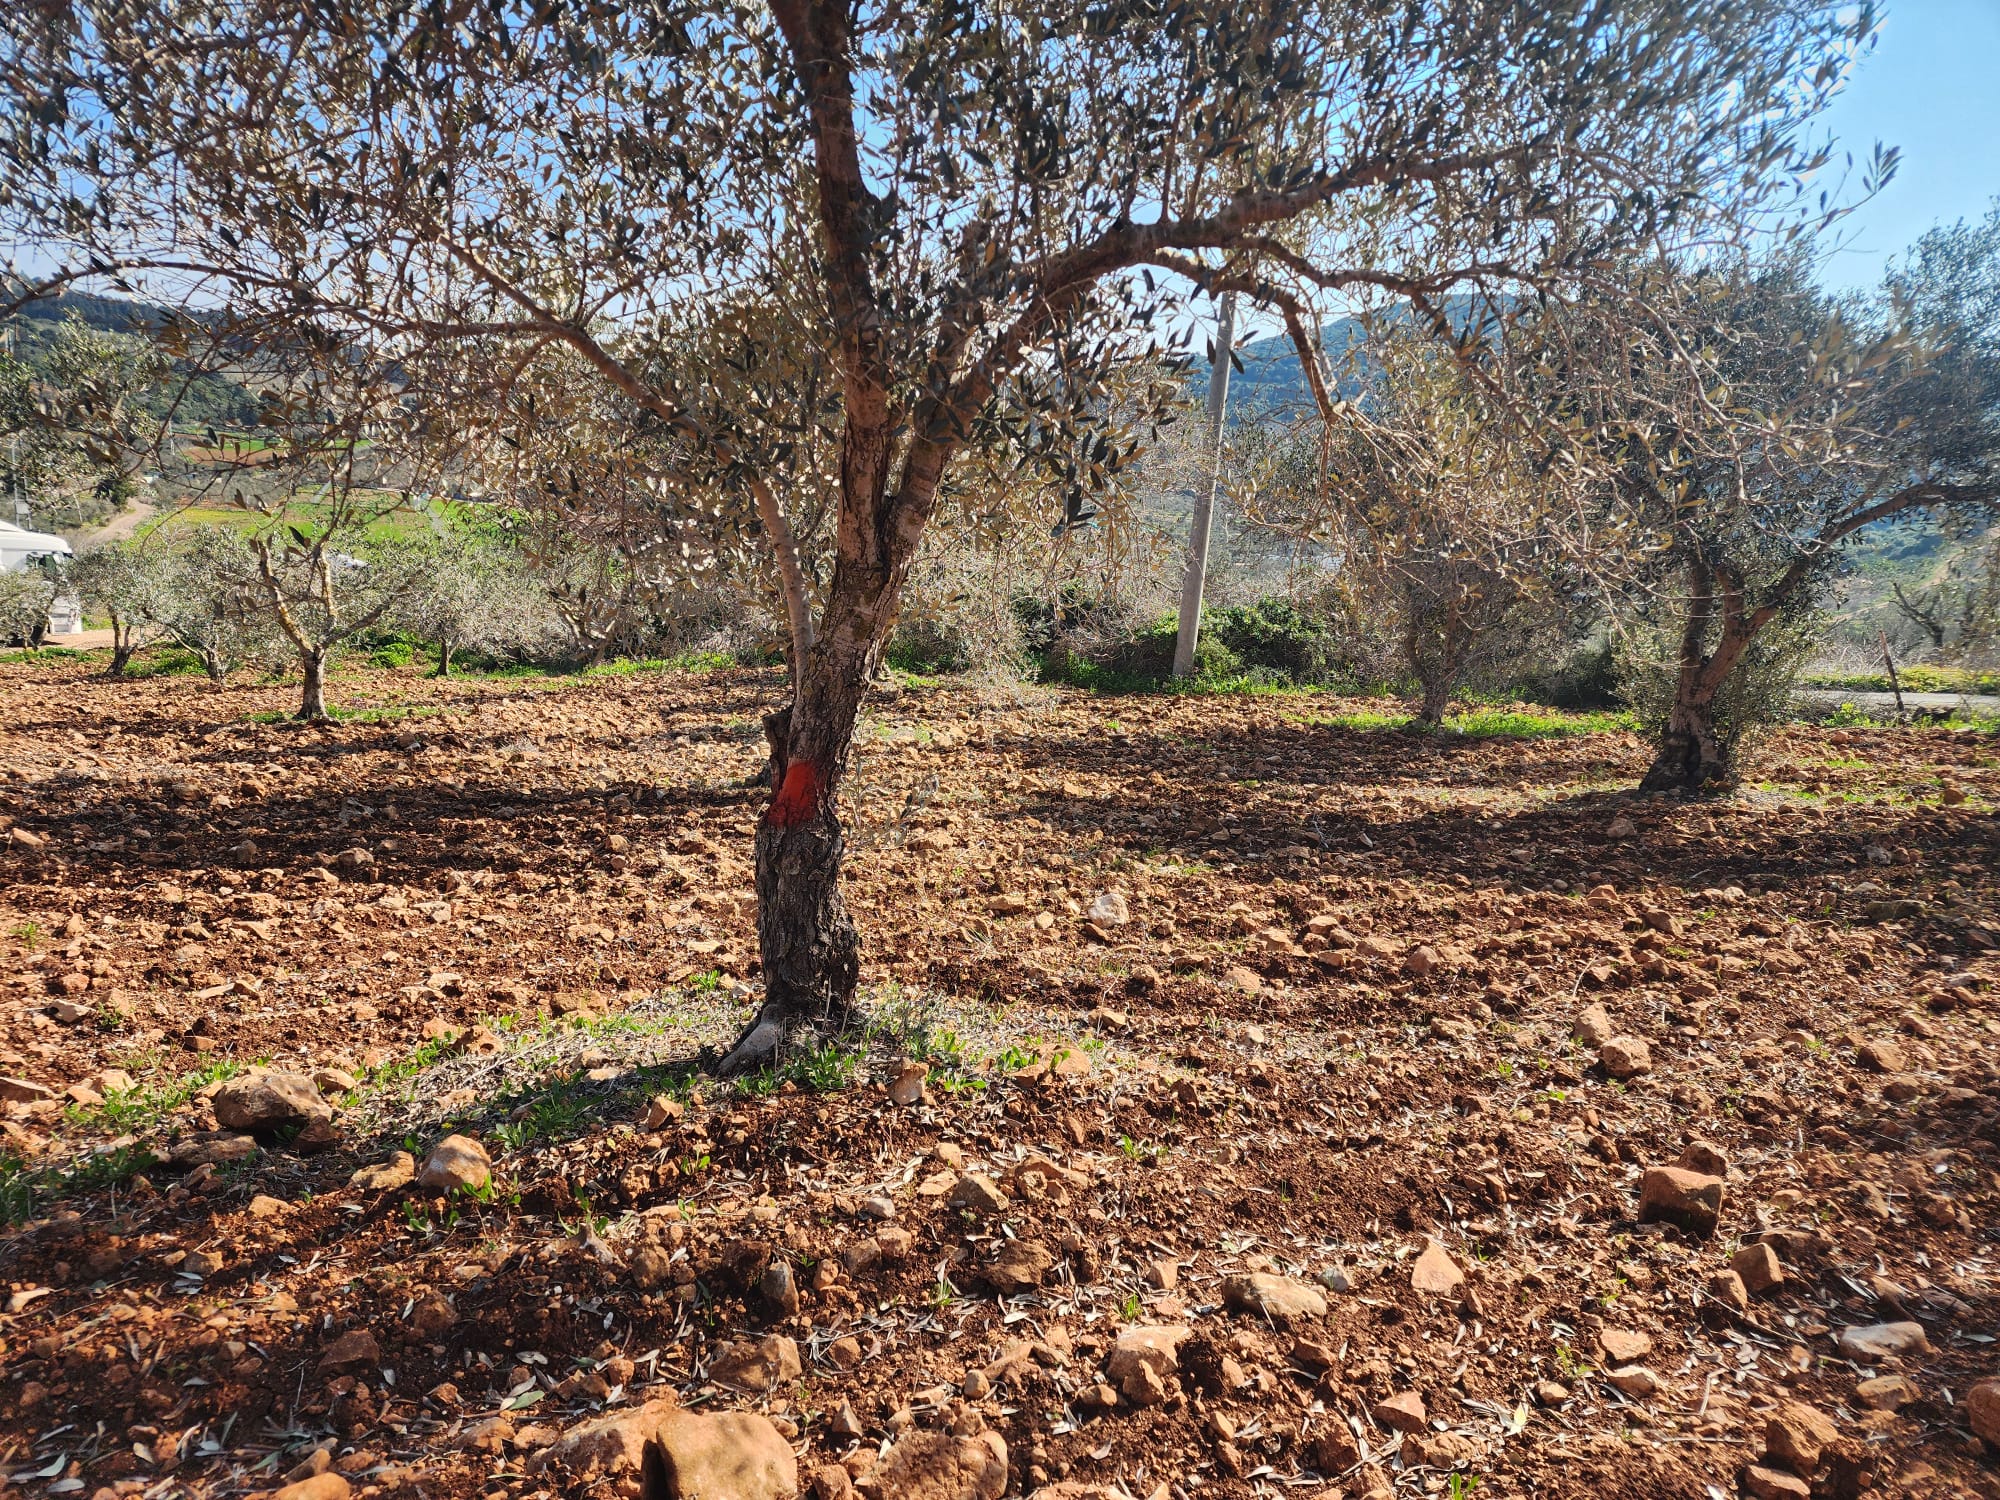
{"type": "Point", "coordinates": [197, 400]}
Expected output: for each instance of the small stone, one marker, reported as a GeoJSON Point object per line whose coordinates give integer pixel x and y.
{"type": "Point", "coordinates": [1626, 1057]}
{"type": "Point", "coordinates": [1247, 981]}
{"type": "Point", "coordinates": [877, 1206]}
{"type": "Point", "coordinates": [202, 1263]}
{"type": "Point", "coordinates": [662, 1112]}
{"type": "Point", "coordinates": [1109, 910]}
{"type": "Point", "coordinates": [1625, 1346]}
{"type": "Point", "coordinates": [353, 1352]}
{"type": "Point", "coordinates": [1759, 1267]}
{"type": "Point", "coordinates": [733, 1455]}
{"type": "Point", "coordinates": [333, 1081]}
{"type": "Point", "coordinates": [1403, 1412]}
{"type": "Point", "coordinates": [1875, 1341]}
{"type": "Point", "coordinates": [908, 1088]}
{"type": "Point", "coordinates": [846, 1422]}
{"type": "Point", "coordinates": [1421, 961]}
{"type": "Point", "coordinates": [1881, 1056]}
{"type": "Point", "coordinates": [456, 1162]}
{"type": "Point", "coordinates": [398, 1171]}
{"type": "Point", "coordinates": [1275, 1297]}
{"type": "Point", "coordinates": [1674, 1195]}
{"type": "Point", "coordinates": [1593, 1027]}
{"type": "Point", "coordinates": [1763, 1483]}
{"type": "Point", "coordinates": [263, 1206]}
{"type": "Point", "coordinates": [1156, 1346]}
{"type": "Point", "coordinates": [322, 1486]}
{"type": "Point", "coordinates": [1551, 1392]}
{"type": "Point", "coordinates": [1704, 1157]}
{"type": "Point", "coordinates": [1635, 1380]}
{"type": "Point", "coordinates": [1886, 1392]}
{"type": "Point", "coordinates": [1797, 1435]}
{"type": "Point", "coordinates": [1982, 1409]}
{"type": "Point", "coordinates": [1727, 1287]}
{"type": "Point", "coordinates": [1019, 1267]}
{"type": "Point", "coordinates": [979, 1193]}
{"type": "Point", "coordinates": [1163, 1275]}
{"type": "Point", "coordinates": [1621, 827]}
{"type": "Point", "coordinates": [1436, 1274]}
{"type": "Point", "coordinates": [780, 1289]}
{"type": "Point", "coordinates": [757, 1364]}
{"type": "Point", "coordinates": [23, 1091]}
{"type": "Point", "coordinates": [937, 1464]}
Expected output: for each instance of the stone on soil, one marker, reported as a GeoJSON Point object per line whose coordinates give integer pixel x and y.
{"type": "Point", "coordinates": [1796, 1436]}
{"type": "Point", "coordinates": [1883, 1341]}
{"type": "Point", "coordinates": [728, 1456]}
{"type": "Point", "coordinates": [1674, 1195]}
{"type": "Point", "coordinates": [1436, 1273]}
{"type": "Point", "coordinates": [1626, 1057]}
{"type": "Point", "coordinates": [455, 1162]}
{"type": "Point", "coordinates": [1982, 1409]}
{"type": "Point", "coordinates": [939, 1466]}
{"type": "Point", "coordinates": [1276, 1297]}
{"type": "Point", "coordinates": [266, 1099]}
{"type": "Point", "coordinates": [757, 1364]}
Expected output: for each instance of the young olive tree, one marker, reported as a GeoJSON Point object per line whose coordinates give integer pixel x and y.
{"type": "Point", "coordinates": [119, 580]}
{"type": "Point", "coordinates": [944, 201]}
{"type": "Point", "coordinates": [1424, 494]}
{"type": "Point", "coordinates": [193, 587]}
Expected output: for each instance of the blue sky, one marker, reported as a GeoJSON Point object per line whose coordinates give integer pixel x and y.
{"type": "Point", "coordinates": [1930, 88]}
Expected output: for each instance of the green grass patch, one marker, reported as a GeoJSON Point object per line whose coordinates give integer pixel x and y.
{"type": "Point", "coordinates": [1913, 679]}
{"type": "Point", "coordinates": [129, 1111]}
{"type": "Point", "coordinates": [1484, 724]}
{"type": "Point", "coordinates": [26, 1191]}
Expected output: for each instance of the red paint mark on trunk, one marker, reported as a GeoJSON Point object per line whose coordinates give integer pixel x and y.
{"type": "Point", "coordinates": [798, 798]}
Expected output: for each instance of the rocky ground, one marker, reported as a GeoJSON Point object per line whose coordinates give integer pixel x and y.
{"type": "Point", "coordinates": [1250, 1103]}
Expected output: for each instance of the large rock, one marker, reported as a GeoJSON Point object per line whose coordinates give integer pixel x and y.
{"type": "Point", "coordinates": [1275, 1297]}
{"type": "Point", "coordinates": [1674, 1195]}
{"type": "Point", "coordinates": [1626, 1056]}
{"type": "Point", "coordinates": [1592, 1026]}
{"type": "Point", "coordinates": [676, 1455]}
{"type": "Point", "coordinates": [1882, 1341]}
{"type": "Point", "coordinates": [1982, 1409]}
{"type": "Point", "coordinates": [939, 1466]}
{"type": "Point", "coordinates": [456, 1162]}
{"type": "Point", "coordinates": [758, 1364]}
{"type": "Point", "coordinates": [266, 1099]}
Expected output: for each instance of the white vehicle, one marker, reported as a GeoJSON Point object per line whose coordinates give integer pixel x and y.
{"type": "Point", "coordinates": [21, 549]}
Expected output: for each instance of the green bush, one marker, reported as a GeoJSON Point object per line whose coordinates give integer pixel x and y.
{"type": "Point", "coordinates": [927, 648]}
{"type": "Point", "coordinates": [1587, 681]}
{"type": "Point", "coordinates": [396, 652]}
{"type": "Point", "coordinates": [1277, 636]}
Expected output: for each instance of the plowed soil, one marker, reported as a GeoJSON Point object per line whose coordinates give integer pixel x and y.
{"type": "Point", "coordinates": [1329, 1025]}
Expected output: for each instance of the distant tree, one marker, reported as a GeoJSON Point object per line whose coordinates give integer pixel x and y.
{"type": "Point", "coordinates": [193, 585]}
{"type": "Point", "coordinates": [470, 593]}
{"type": "Point", "coordinates": [74, 424]}
{"type": "Point", "coordinates": [949, 204]}
{"type": "Point", "coordinates": [26, 596]}
{"type": "Point", "coordinates": [1758, 425]}
{"type": "Point", "coordinates": [1468, 551]}
{"type": "Point", "coordinates": [121, 581]}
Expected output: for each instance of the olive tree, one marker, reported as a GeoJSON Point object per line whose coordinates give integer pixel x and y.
{"type": "Point", "coordinates": [1757, 425]}
{"type": "Point", "coordinates": [946, 202]}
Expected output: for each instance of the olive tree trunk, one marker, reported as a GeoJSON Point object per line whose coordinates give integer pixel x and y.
{"type": "Point", "coordinates": [1692, 755]}
{"type": "Point", "coordinates": [312, 695]}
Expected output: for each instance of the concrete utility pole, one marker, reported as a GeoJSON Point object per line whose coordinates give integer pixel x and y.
{"type": "Point", "coordinates": [1204, 506]}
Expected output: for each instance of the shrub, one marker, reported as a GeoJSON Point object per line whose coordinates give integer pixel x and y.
{"type": "Point", "coordinates": [1278, 636]}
